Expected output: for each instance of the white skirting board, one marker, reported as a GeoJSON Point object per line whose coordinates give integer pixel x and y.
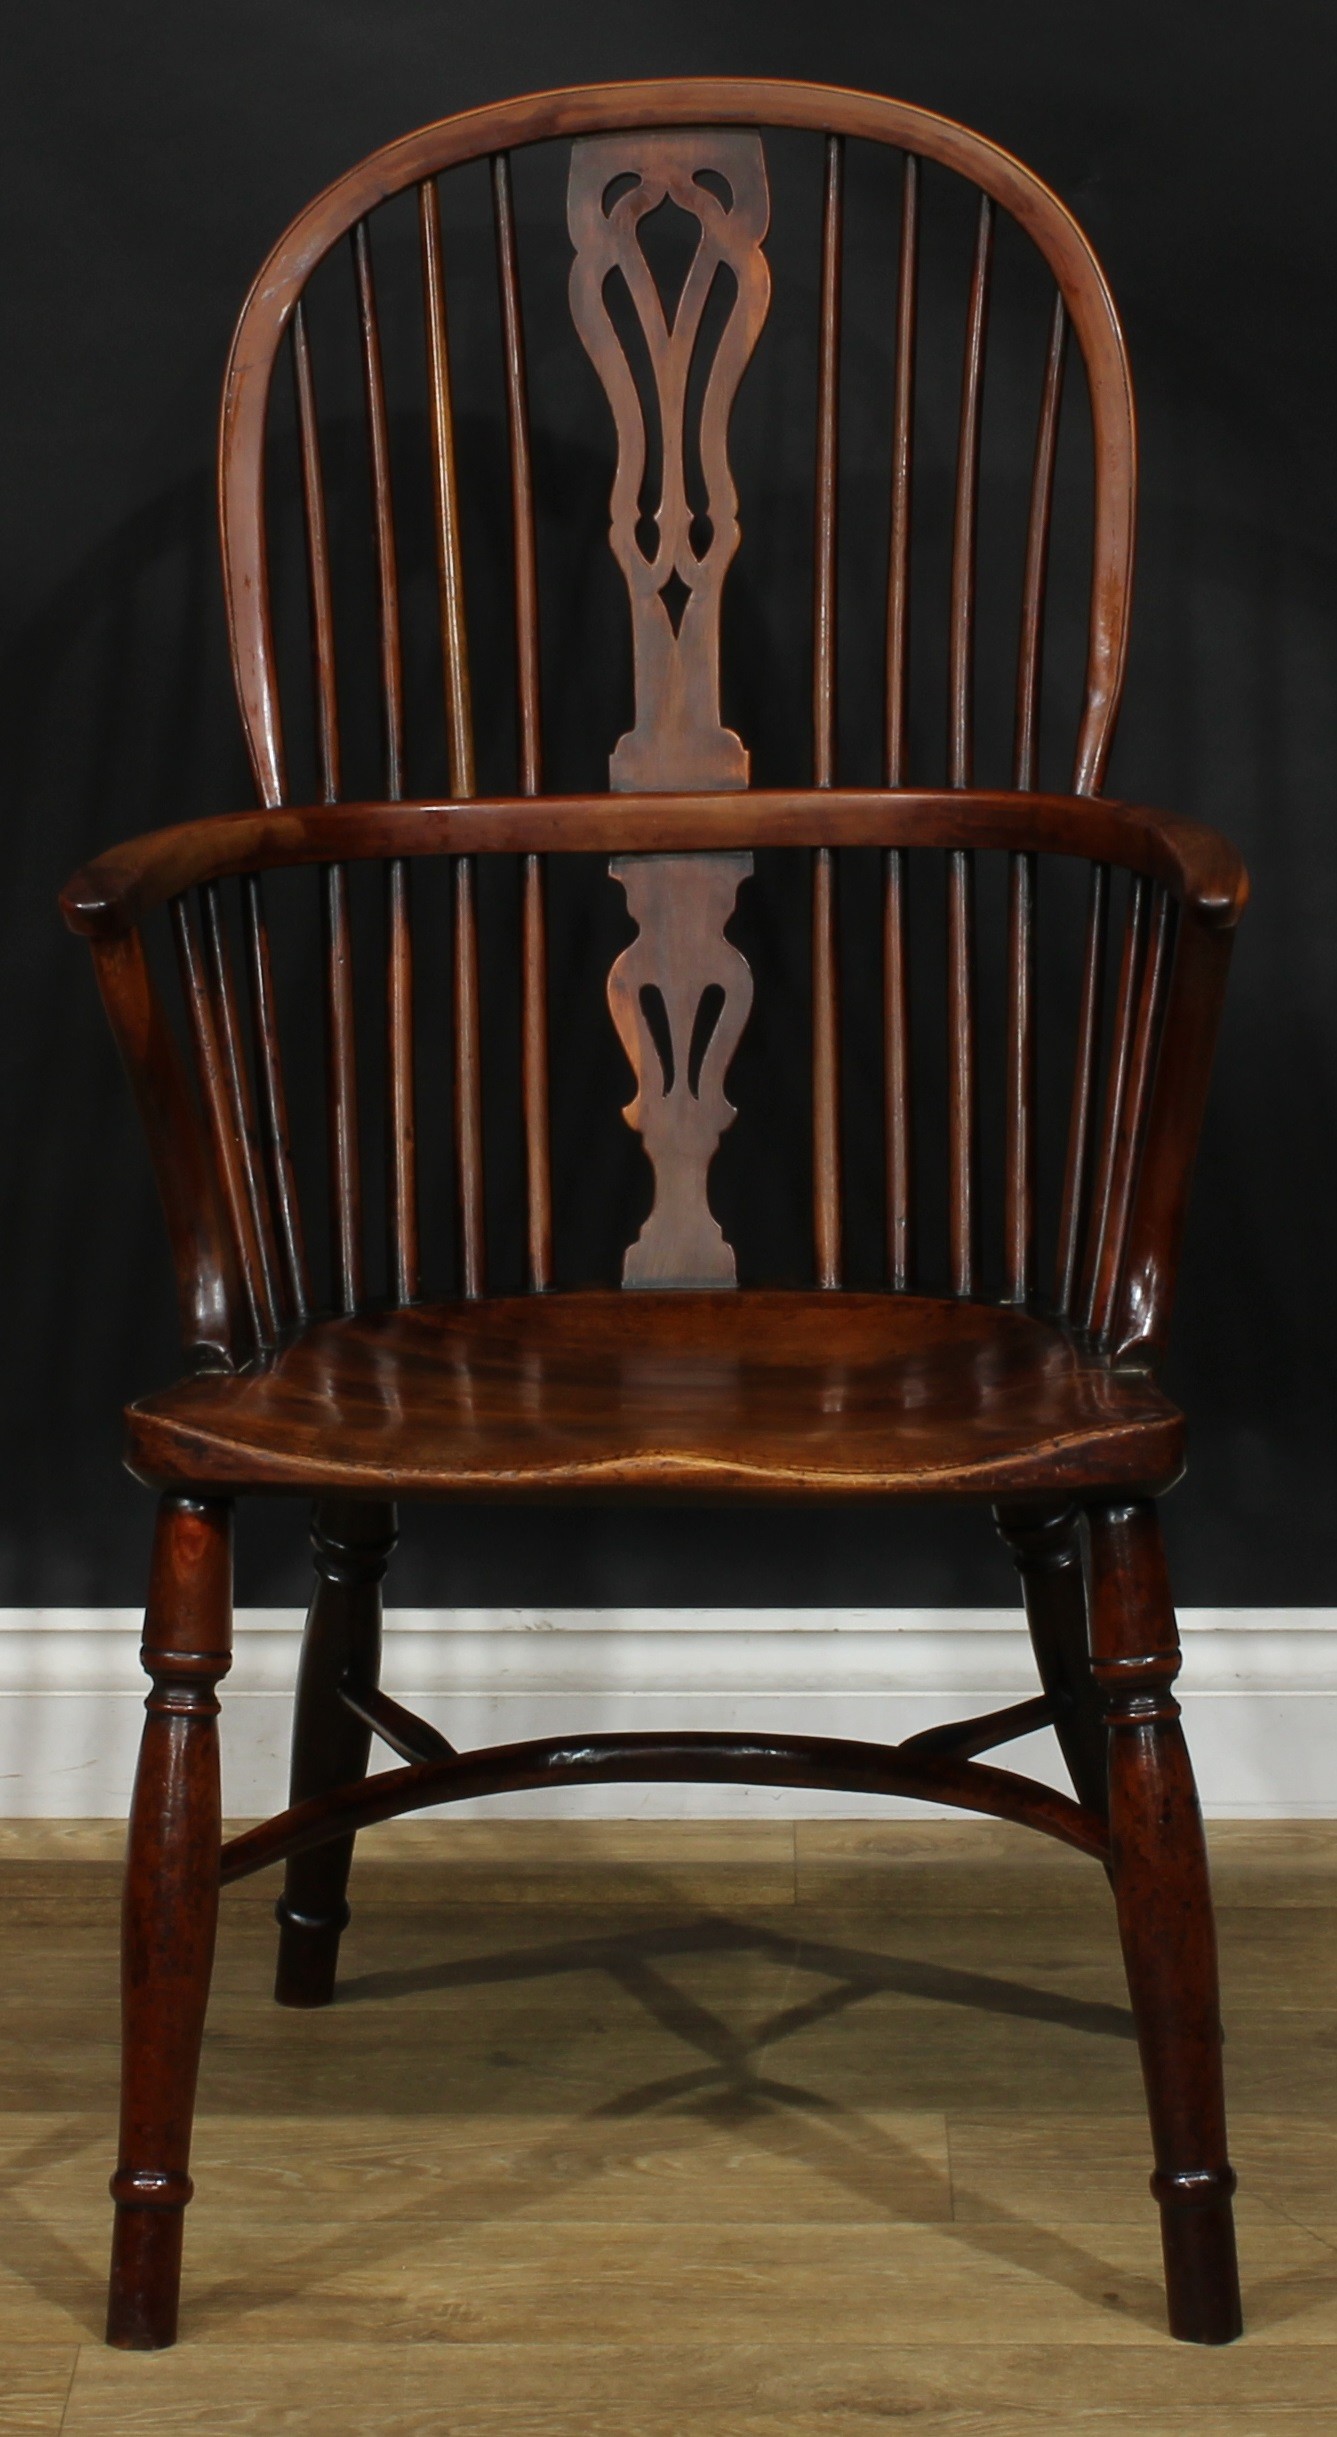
{"type": "Point", "coordinates": [1259, 1690]}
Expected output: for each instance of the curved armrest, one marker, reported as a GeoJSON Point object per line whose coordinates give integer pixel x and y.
{"type": "Point", "coordinates": [1199, 868]}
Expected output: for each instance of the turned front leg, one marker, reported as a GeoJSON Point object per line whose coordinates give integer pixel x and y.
{"type": "Point", "coordinates": [1163, 1894]}
{"type": "Point", "coordinates": [169, 1913]}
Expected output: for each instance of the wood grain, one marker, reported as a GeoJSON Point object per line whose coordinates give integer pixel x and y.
{"type": "Point", "coordinates": [764, 1395]}
{"type": "Point", "coordinates": [1199, 866]}
{"type": "Point", "coordinates": [658, 2389]}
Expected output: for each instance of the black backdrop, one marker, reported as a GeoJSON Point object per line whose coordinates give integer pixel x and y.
{"type": "Point", "coordinates": [149, 156]}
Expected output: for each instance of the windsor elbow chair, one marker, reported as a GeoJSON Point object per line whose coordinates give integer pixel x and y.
{"type": "Point", "coordinates": [982, 1381]}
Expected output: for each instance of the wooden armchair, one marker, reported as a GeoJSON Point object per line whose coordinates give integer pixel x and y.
{"type": "Point", "coordinates": [982, 1380]}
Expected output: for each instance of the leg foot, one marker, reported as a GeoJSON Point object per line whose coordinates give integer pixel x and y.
{"type": "Point", "coordinates": [1161, 1888]}
{"type": "Point", "coordinates": [169, 1913]}
{"type": "Point", "coordinates": [352, 1541]}
{"type": "Point", "coordinates": [145, 2271]}
{"type": "Point", "coordinates": [1198, 2244]}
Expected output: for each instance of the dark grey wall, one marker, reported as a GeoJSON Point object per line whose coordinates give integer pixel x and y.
{"type": "Point", "coordinates": [149, 155]}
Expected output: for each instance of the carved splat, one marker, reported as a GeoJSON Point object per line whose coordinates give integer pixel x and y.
{"type": "Point", "coordinates": [680, 995]}
{"type": "Point", "coordinates": [674, 552]}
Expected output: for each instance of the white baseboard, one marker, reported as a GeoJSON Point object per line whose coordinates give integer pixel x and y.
{"type": "Point", "coordinates": [1259, 1689]}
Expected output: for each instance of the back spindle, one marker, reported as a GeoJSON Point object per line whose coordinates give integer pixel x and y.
{"type": "Point", "coordinates": [1133, 1112]}
{"type": "Point", "coordinates": [896, 1048]}
{"type": "Point", "coordinates": [1118, 1079]}
{"type": "Point", "coordinates": [445, 496]}
{"type": "Point", "coordinates": [387, 568]}
{"type": "Point", "coordinates": [961, 639]}
{"type": "Point", "coordinates": [1019, 1154]}
{"type": "Point", "coordinates": [534, 945]}
{"type": "Point", "coordinates": [961, 1194]}
{"type": "Point", "coordinates": [468, 1081]}
{"type": "Point", "coordinates": [828, 423]}
{"type": "Point", "coordinates": [401, 1113]}
{"type": "Point", "coordinates": [896, 956]}
{"type": "Point", "coordinates": [522, 486]}
{"type": "Point", "coordinates": [460, 743]}
{"type": "Point", "coordinates": [317, 561]}
{"type": "Point", "coordinates": [341, 1097]}
{"type": "Point", "coordinates": [902, 473]}
{"type": "Point", "coordinates": [225, 1133]}
{"type": "Point", "coordinates": [961, 1067]}
{"type": "Point", "coordinates": [825, 967]}
{"type": "Point", "coordinates": [341, 1067]}
{"type": "Point", "coordinates": [1082, 1117]}
{"type": "Point", "coordinates": [1035, 579]}
{"type": "Point", "coordinates": [401, 1143]}
{"type": "Point", "coordinates": [274, 1131]}
{"type": "Point", "coordinates": [236, 1081]}
{"type": "Point", "coordinates": [1019, 1177]}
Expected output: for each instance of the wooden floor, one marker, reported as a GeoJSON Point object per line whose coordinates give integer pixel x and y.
{"type": "Point", "coordinates": [649, 2130]}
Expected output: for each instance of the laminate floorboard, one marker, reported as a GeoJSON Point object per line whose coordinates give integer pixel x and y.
{"type": "Point", "coordinates": [640, 2130]}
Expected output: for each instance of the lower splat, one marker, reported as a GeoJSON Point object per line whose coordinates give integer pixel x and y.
{"type": "Point", "coordinates": [680, 996]}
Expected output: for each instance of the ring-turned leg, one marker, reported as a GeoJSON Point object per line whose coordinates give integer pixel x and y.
{"type": "Point", "coordinates": [1047, 1552]}
{"type": "Point", "coordinates": [1161, 1887]}
{"type": "Point", "coordinates": [352, 1541]}
{"type": "Point", "coordinates": [170, 1912]}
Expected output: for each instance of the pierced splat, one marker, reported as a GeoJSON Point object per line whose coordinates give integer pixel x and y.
{"type": "Point", "coordinates": [675, 552]}
{"type": "Point", "coordinates": [680, 996]}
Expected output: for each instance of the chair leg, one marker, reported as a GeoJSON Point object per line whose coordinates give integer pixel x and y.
{"type": "Point", "coordinates": [1047, 1552]}
{"type": "Point", "coordinates": [1161, 1888]}
{"type": "Point", "coordinates": [170, 1913]}
{"type": "Point", "coordinates": [352, 1541]}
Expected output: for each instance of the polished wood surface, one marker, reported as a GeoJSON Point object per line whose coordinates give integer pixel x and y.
{"type": "Point", "coordinates": [658, 2126]}
{"type": "Point", "coordinates": [1033, 1393]}
{"type": "Point", "coordinates": [763, 1394]}
{"type": "Point", "coordinates": [113, 894]}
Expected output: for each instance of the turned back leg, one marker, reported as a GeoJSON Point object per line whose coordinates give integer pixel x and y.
{"type": "Point", "coordinates": [352, 1542]}
{"type": "Point", "coordinates": [170, 1913]}
{"type": "Point", "coordinates": [1161, 1887]}
{"type": "Point", "coordinates": [1047, 1552]}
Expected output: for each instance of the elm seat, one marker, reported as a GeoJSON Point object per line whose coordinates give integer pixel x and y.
{"type": "Point", "coordinates": [755, 1395]}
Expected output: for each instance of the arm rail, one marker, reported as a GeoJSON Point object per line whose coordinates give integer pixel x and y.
{"type": "Point", "coordinates": [1198, 866]}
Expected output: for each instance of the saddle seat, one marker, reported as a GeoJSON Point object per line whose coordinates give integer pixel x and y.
{"type": "Point", "coordinates": [752, 1395]}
